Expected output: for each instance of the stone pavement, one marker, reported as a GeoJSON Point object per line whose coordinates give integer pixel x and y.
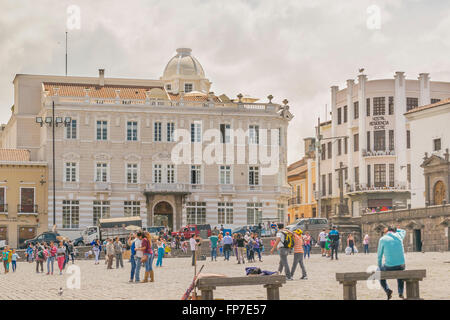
{"type": "Point", "coordinates": [176, 275]}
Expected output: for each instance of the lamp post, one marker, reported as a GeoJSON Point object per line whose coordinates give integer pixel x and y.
{"type": "Point", "coordinates": [53, 122]}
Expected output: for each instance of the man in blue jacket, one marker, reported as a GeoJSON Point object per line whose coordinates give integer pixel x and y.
{"type": "Point", "coordinates": [391, 247]}
{"type": "Point", "coordinates": [334, 237]}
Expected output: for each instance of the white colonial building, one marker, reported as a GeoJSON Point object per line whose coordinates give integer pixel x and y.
{"type": "Point", "coordinates": [370, 135]}
{"type": "Point", "coordinates": [116, 156]}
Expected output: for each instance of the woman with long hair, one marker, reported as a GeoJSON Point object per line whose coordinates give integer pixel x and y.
{"type": "Point", "coordinates": [148, 257]}
{"type": "Point", "coordinates": [61, 256]}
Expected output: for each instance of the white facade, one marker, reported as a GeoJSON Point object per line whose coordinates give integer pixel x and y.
{"type": "Point", "coordinates": [116, 157]}
{"type": "Point", "coordinates": [372, 112]}
{"type": "Point", "coordinates": [431, 135]}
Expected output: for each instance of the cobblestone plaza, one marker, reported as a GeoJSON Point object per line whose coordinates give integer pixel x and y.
{"type": "Point", "coordinates": [175, 276]}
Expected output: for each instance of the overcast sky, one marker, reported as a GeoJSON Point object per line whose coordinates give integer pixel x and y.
{"type": "Point", "coordinates": [291, 49]}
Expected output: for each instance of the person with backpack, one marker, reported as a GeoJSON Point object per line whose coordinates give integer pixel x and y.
{"type": "Point", "coordinates": [284, 243]}
{"type": "Point", "coordinates": [298, 253]}
{"type": "Point", "coordinates": [40, 257]}
{"type": "Point", "coordinates": [51, 256]}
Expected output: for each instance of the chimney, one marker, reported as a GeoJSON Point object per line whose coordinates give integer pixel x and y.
{"type": "Point", "coordinates": [101, 77]}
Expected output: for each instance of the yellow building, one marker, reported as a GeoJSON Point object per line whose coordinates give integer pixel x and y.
{"type": "Point", "coordinates": [302, 179]}
{"type": "Point", "coordinates": [23, 196]}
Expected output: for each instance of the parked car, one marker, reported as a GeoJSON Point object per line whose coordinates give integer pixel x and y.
{"type": "Point", "coordinates": [242, 230]}
{"type": "Point", "coordinates": [43, 237]}
{"type": "Point", "coordinates": [155, 231]}
{"type": "Point", "coordinates": [192, 229]}
{"type": "Point", "coordinates": [78, 242]}
{"type": "Point", "coordinates": [313, 225]}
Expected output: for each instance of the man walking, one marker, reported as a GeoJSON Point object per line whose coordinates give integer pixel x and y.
{"type": "Point", "coordinates": [139, 254]}
{"type": "Point", "coordinates": [298, 253]}
{"type": "Point", "coordinates": [322, 241]}
{"type": "Point", "coordinates": [193, 245]}
{"type": "Point", "coordinates": [227, 242]}
{"type": "Point", "coordinates": [334, 238]}
{"type": "Point", "coordinates": [283, 247]}
{"type": "Point", "coordinates": [110, 253]}
{"type": "Point", "coordinates": [132, 245]}
{"type": "Point", "coordinates": [391, 247]}
{"type": "Point", "coordinates": [118, 248]}
{"type": "Point", "coordinates": [213, 239]}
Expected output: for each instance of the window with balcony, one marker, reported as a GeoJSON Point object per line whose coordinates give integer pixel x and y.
{"type": "Point", "coordinates": [379, 107]}
{"type": "Point", "coordinates": [225, 213]}
{"type": "Point", "coordinates": [157, 136]}
{"type": "Point", "coordinates": [196, 212]}
{"type": "Point", "coordinates": [253, 134]}
{"type": "Point", "coordinates": [71, 130]}
{"type": "Point", "coordinates": [170, 173]}
{"type": "Point", "coordinates": [27, 201]}
{"type": "Point", "coordinates": [379, 140]}
{"type": "Point", "coordinates": [253, 175]}
{"type": "Point", "coordinates": [170, 131]}
{"type": "Point", "coordinates": [380, 175]}
{"type": "Point", "coordinates": [101, 172]}
{"type": "Point", "coordinates": [254, 213]}
{"type": "Point", "coordinates": [196, 174]}
{"type": "Point", "coordinates": [196, 132]}
{"type": "Point", "coordinates": [101, 210]}
{"type": "Point", "coordinates": [132, 208]}
{"type": "Point", "coordinates": [70, 214]}
{"type": "Point", "coordinates": [157, 173]}
{"type": "Point", "coordinates": [102, 130]}
{"type": "Point", "coordinates": [70, 172]}
{"type": "Point", "coordinates": [225, 175]}
{"type": "Point", "coordinates": [132, 173]}
{"type": "Point", "coordinates": [132, 130]}
{"type": "Point", "coordinates": [356, 110]}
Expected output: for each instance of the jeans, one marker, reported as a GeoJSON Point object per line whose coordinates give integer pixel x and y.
{"type": "Point", "coordinates": [14, 265]}
{"type": "Point", "coordinates": [160, 257]}
{"type": "Point", "coordinates": [247, 247]}
{"type": "Point", "coordinates": [133, 267]}
{"type": "Point", "coordinates": [258, 251]}
{"type": "Point", "coordinates": [284, 262]}
{"type": "Point", "coordinates": [149, 262]}
{"type": "Point", "coordinates": [97, 254]}
{"type": "Point", "coordinates": [306, 250]}
{"type": "Point", "coordinates": [298, 259]}
{"type": "Point", "coordinates": [138, 268]}
{"type": "Point", "coordinates": [400, 282]}
{"type": "Point", "coordinates": [193, 257]}
{"type": "Point", "coordinates": [119, 260]}
{"type": "Point", "coordinates": [226, 251]}
{"type": "Point", "coordinates": [334, 249]}
{"type": "Point", "coordinates": [213, 253]}
{"type": "Point", "coordinates": [366, 248]}
{"type": "Point", "coordinates": [352, 246]}
{"type": "Point", "coordinates": [50, 261]}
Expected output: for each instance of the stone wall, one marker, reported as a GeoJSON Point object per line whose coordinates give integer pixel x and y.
{"type": "Point", "coordinates": [431, 224]}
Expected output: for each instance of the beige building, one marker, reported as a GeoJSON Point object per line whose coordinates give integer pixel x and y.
{"type": "Point", "coordinates": [23, 196]}
{"type": "Point", "coordinates": [116, 156]}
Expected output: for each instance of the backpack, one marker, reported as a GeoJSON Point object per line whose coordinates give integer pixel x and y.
{"type": "Point", "coordinates": [41, 255]}
{"type": "Point", "coordinates": [288, 240]}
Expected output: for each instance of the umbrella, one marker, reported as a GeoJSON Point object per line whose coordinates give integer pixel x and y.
{"type": "Point", "coordinates": [132, 228]}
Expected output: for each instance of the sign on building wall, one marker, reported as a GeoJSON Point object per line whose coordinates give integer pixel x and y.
{"type": "Point", "coordinates": [379, 122]}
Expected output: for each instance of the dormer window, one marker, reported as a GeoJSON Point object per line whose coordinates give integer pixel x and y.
{"type": "Point", "coordinates": [168, 87]}
{"type": "Point", "coordinates": [188, 87]}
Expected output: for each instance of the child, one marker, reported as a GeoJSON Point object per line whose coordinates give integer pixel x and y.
{"type": "Point", "coordinates": [327, 246]}
{"type": "Point", "coordinates": [6, 257]}
{"type": "Point", "coordinates": [161, 247]}
{"type": "Point", "coordinates": [14, 257]}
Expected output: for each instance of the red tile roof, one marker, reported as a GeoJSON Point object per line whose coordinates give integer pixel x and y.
{"type": "Point", "coordinates": [14, 155]}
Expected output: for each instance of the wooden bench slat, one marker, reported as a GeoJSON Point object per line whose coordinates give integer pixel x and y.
{"type": "Point", "coordinates": [241, 281]}
{"type": "Point", "coordinates": [383, 275]}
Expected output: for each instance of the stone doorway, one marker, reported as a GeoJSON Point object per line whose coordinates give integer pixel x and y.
{"type": "Point", "coordinates": [163, 214]}
{"type": "Point", "coordinates": [417, 240]}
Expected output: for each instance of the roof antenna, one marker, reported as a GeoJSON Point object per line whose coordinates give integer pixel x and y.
{"type": "Point", "coordinates": [66, 53]}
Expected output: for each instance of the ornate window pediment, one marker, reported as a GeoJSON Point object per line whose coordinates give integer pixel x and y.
{"type": "Point", "coordinates": [164, 156]}
{"type": "Point", "coordinates": [102, 156]}
{"type": "Point", "coordinates": [132, 157]}
{"type": "Point", "coordinates": [71, 156]}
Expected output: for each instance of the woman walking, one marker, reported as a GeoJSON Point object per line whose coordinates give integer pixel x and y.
{"type": "Point", "coordinates": [351, 243]}
{"type": "Point", "coordinates": [366, 244]}
{"type": "Point", "coordinates": [161, 250]}
{"type": "Point", "coordinates": [148, 257]}
{"type": "Point", "coordinates": [96, 249]}
{"type": "Point", "coordinates": [306, 244]}
{"type": "Point", "coordinates": [14, 257]}
{"type": "Point", "coordinates": [61, 256]}
{"type": "Point", "coordinates": [257, 246]}
{"type": "Point", "coordinates": [51, 256]}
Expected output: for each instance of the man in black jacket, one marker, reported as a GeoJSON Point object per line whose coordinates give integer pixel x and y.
{"type": "Point", "coordinates": [334, 237]}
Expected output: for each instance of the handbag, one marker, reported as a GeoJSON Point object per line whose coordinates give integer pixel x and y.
{"type": "Point", "coordinates": [144, 258]}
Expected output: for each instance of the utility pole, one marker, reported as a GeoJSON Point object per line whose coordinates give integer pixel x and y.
{"type": "Point", "coordinates": [66, 53]}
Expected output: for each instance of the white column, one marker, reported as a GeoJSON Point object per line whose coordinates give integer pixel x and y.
{"type": "Point", "coordinates": [400, 127]}
{"type": "Point", "coordinates": [350, 84]}
{"type": "Point", "coordinates": [334, 90]}
{"type": "Point", "coordinates": [362, 127]}
{"type": "Point", "coordinates": [424, 89]}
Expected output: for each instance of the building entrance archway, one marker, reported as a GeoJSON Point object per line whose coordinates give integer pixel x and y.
{"type": "Point", "coordinates": [163, 214]}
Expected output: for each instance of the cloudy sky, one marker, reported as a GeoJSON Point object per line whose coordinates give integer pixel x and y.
{"type": "Point", "coordinates": [294, 49]}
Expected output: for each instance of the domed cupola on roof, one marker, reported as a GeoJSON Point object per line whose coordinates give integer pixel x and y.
{"type": "Point", "coordinates": [184, 71]}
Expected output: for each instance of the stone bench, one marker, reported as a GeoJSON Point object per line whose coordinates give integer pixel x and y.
{"type": "Point", "coordinates": [271, 283]}
{"type": "Point", "coordinates": [411, 277]}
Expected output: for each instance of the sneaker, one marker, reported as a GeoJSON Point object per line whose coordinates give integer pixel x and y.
{"type": "Point", "coordinates": [389, 294]}
{"type": "Point", "coordinates": [304, 278]}
{"type": "Point", "coordinates": [289, 279]}
{"type": "Point", "coordinates": [401, 296]}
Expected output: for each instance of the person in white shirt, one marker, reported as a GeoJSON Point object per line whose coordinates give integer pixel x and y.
{"type": "Point", "coordinates": [139, 254]}
{"type": "Point", "coordinates": [322, 241]}
{"type": "Point", "coordinates": [193, 245]}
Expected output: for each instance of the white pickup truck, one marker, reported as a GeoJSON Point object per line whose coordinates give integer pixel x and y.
{"type": "Point", "coordinates": [111, 228]}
